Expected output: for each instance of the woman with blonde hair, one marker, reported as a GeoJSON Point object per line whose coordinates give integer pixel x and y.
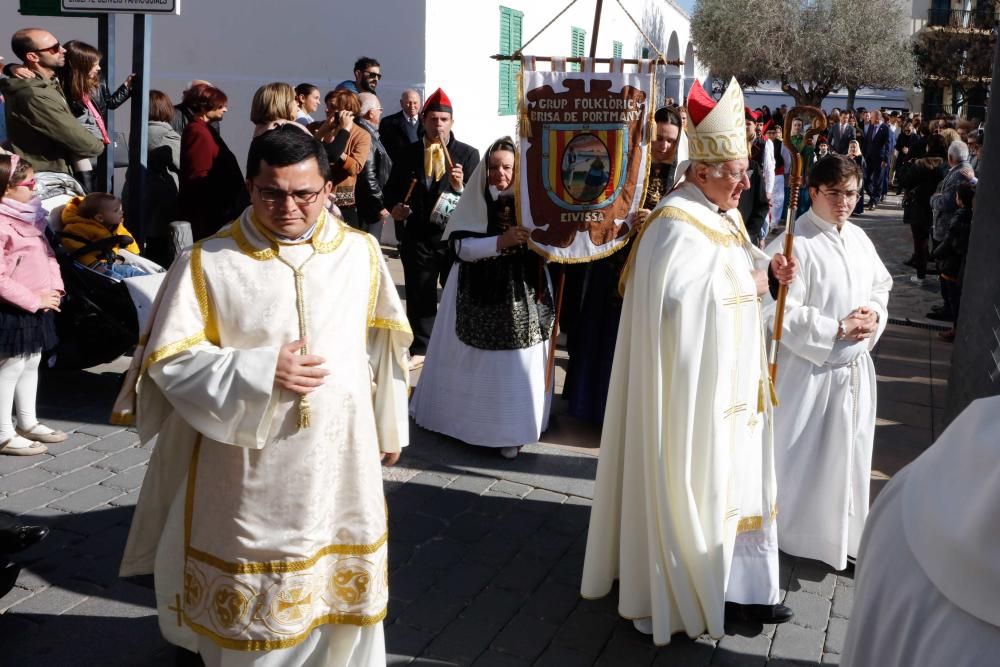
{"type": "Point", "coordinates": [273, 105]}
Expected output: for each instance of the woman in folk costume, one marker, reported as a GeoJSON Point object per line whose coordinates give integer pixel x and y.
{"type": "Point", "coordinates": [484, 378]}
{"type": "Point", "coordinates": [684, 503]}
{"type": "Point", "coordinates": [825, 428]}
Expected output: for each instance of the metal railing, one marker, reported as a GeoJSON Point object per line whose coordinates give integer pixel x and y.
{"type": "Point", "coordinates": [981, 18]}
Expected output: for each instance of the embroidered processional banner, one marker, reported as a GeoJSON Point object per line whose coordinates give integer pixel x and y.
{"type": "Point", "coordinates": [584, 156]}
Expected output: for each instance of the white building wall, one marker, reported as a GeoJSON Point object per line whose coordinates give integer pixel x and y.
{"type": "Point", "coordinates": [240, 45]}
{"type": "Point", "coordinates": [462, 35]}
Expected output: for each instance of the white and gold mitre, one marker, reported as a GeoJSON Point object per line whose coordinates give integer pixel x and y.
{"type": "Point", "coordinates": [716, 130]}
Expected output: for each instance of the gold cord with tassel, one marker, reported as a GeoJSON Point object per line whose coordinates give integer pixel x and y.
{"type": "Point", "coordinates": [305, 411]}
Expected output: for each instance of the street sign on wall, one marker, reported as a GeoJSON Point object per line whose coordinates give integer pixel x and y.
{"type": "Point", "coordinates": [122, 6]}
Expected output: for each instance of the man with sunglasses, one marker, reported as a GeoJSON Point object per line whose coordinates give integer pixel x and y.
{"type": "Point", "coordinates": [40, 125]}
{"type": "Point", "coordinates": [825, 427]}
{"type": "Point", "coordinates": [275, 380]}
{"type": "Point", "coordinates": [367, 74]}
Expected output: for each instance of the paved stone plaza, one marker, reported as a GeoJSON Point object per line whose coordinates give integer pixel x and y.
{"type": "Point", "coordinates": [485, 553]}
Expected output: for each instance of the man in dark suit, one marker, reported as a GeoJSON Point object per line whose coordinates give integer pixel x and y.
{"type": "Point", "coordinates": [841, 134]}
{"type": "Point", "coordinates": [422, 165]}
{"type": "Point", "coordinates": [876, 151]}
{"type": "Point", "coordinates": [754, 201]}
{"type": "Point", "coordinates": [402, 128]}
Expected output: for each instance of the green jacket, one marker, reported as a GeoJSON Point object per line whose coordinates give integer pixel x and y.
{"type": "Point", "coordinates": [41, 128]}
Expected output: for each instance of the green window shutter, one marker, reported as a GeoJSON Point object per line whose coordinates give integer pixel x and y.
{"type": "Point", "coordinates": [578, 38]}
{"type": "Point", "coordinates": [510, 41]}
{"type": "Point", "coordinates": [616, 49]}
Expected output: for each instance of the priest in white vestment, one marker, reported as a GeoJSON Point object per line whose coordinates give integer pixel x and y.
{"type": "Point", "coordinates": [684, 504]}
{"type": "Point", "coordinates": [835, 313]}
{"type": "Point", "coordinates": [928, 577]}
{"type": "Point", "coordinates": [274, 379]}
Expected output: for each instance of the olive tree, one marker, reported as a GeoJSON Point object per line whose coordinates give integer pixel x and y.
{"type": "Point", "coordinates": [810, 47]}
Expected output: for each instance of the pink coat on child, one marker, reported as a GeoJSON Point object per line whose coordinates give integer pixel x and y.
{"type": "Point", "coordinates": [27, 264]}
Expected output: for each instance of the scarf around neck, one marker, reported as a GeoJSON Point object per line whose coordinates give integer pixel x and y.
{"type": "Point", "coordinates": [30, 213]}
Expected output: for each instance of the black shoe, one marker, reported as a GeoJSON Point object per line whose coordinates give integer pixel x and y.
{"type": "Point", "coordinates": [20, 538]}
{"type": "Point", "coordinates": [768, 614]}
{"type": "Point", "coordinates": [940, 316]}
{"type": "Point", "coordinates": [8, 577]}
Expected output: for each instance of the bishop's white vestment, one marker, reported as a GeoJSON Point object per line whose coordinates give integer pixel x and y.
{"type": "Point", "coordinates": [928, 577]}
{"type": "Point", "coordinates": [262, 516]}
{"type": "Point", "coordinates": [684, 504]}
{"type": "Point", "coordinates": [824, 427]}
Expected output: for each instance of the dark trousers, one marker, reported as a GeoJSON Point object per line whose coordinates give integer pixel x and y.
{"type": "Point", "coordinates": [951, 291]}
{"type": "Point", "coordinates": [920, 250]}
{"type": "Point", "coordinates": [874, 181]}
{"type": "Point", "coordinates": [350, 214]}
{"type": "Point", "coordinates": [426, 262]}
{"type": "Point", "coordinates": [373, 227]}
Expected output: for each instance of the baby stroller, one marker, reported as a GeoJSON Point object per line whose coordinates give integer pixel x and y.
{"type": "Point", "coordinates": [98, 319]}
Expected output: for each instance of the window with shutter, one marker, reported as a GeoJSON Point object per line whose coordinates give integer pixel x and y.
{"type": "Point", "coordinates": [578, 38]}
{"type": "Point", "coordinates": [616, 49]}
{"type": "Point", "coordinates": [510, 41]}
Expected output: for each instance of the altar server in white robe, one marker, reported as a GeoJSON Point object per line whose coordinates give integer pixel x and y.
{"type": "Point", "coordinates": [825, 426]}
{"type": "Point", "coordinates": [684, 504]}
{"type": "Point", "coordinates": [274, 379]}
{"type": "Point", "coordinates": [928, 577]}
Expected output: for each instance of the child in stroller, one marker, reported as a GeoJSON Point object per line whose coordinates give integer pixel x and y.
{"type": "Point", "coordinates": [93, 234]}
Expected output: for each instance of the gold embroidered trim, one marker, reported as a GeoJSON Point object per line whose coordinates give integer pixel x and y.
{"type": "Point", "coordinates": [751, 523]}
{"type": "Point", "coordinates": [374, 279]}
{"type": "Point", "coordinates": [264, 254]}
{"type": "Point", "coordinates": [202, 296]}
{"type": "Point", "coordinates": [174, 348]}
{"type": "Point", "coordinates": [247, 248]}
{"type": "Point", "coordinates": [714, 235]}
{"type": "Point", "coordinates": [272, 644]}
{"type": "Point", "coordinates": [283, 566]}
{"type": "Point", "coordinates": [394, 325]}
{"type": "Point", "coordinates": [325, 247]}
{"type": "Point", "coordinates": [555, 259]}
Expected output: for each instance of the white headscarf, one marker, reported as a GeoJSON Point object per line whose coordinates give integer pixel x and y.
{"type": "Point", "coordinates": [470, 214]}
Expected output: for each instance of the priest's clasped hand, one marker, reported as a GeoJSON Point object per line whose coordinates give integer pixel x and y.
{"type": "Point", "coordinates": [296, 372]}
{"type": "Point", "coordinates": [784, 268]}
{"type": "Point", "coordinates": [861, 323]}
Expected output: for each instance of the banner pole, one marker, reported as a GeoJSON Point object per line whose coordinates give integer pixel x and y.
{"type": "Point", "coordinates": [551, 363]}
{"type": "Point", "coordinates": [597, 28]}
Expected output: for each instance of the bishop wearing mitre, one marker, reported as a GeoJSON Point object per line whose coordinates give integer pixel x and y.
{"type": "Point", "coordinates": [684, 505]}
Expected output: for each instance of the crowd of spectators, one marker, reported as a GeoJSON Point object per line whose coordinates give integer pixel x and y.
{"type": "Point", "coordinates": [934, 164]}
